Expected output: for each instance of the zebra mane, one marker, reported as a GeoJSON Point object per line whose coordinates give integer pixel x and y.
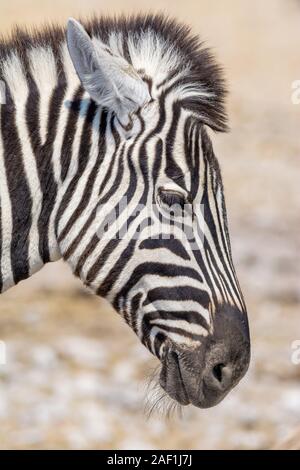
{"type": "Point", "coordinates": [163, 49]}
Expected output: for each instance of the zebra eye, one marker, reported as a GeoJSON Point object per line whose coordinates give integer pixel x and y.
{"type": "Point", "coordinates": [173, 201]}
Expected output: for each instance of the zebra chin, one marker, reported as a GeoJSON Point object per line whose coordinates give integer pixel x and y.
{"type": "Point", "coordinates": [203, 376]}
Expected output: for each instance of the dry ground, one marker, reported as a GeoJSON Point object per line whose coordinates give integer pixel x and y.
{"type": "Point", "coordinates": [75, 374]}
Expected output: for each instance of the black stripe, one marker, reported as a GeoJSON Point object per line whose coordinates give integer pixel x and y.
{"type": "Point", "coordinates": [157, 161]}
{"type": "Point", "coordinates": [195, 179]}
{"type": "Point", "coordinates": [158, 341]}
{"type": "Point", "coordinates": [19, 192]}
{"type": "Point", "coordinates": [117, 269]}
{"type": "Point", "coordinates": [189, 316]}
{"type": "Point", "coordinates": [168, 78]}
{"type": "Point", "coordinates": [134, 310]}
{"type": "Point", "coordinates": [32, 111]}
{"type": "Point", "coordinates": [171, 244]}
{"type": "Point", "coordinates": [172, 169]}
{"type": "Point", "coordinates": [178, 293]}
{"type": "Point", "coordinates": [69, 134]}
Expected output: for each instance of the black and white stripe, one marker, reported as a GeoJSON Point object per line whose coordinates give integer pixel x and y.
{"type": "Point", "coordinates": [64, 155]}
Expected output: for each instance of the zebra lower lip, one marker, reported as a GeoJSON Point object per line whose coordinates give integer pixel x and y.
{"type": "Point", "coordinates": [171, 379]}
{"type": "Point", "coordinates": [181, 384]}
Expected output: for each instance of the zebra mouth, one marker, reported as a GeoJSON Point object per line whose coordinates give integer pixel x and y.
{"type": "Point", "coordinates": [171, 379]}
{"type": "Point", "coordinates": [174, 379]}
{"type": "Point", "coordinates": [204, 375]}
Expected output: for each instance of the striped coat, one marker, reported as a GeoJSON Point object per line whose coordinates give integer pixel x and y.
{"type": "Point", "coordinates": [106, 161]}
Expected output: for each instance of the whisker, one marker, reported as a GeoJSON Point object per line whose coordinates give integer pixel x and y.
{"type": "Point", "coordinates": [157, 401]}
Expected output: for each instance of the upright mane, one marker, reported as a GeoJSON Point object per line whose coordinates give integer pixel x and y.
{"type": "Point", "coordinates": [163, 49]}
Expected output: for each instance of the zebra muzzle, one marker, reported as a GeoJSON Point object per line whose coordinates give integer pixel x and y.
{"type": "Point", "coordinates": [203, 376]}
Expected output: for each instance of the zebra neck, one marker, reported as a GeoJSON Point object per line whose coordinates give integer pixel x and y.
{"type": "Point", "coordinates": [48, 186]}
{"type": "Point", "coordinates": [28, 191]}
{"type": "Point", "coordinates": [52, 143]}
{"type": "Point", "coordinates": [27, 198]}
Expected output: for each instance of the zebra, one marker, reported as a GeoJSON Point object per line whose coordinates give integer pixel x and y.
{"type": "Point", "coordinates": [115, 109]}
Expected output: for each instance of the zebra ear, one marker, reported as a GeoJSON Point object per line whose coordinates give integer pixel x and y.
{"type": "Point", "coordinates": [109, 79]}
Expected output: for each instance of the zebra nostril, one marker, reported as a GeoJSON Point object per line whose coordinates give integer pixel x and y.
{"type": "Point", "coordinates": [221, 376]}
{"type": "Point", "coordinates": [217, 371]}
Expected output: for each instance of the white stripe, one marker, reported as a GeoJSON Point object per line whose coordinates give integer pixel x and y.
{"type": "Point", "coordinates": [43, 69]}
{"type": "Point", "coordinates": [192, 328]}
{"type": "Point", "coordinates": [176, 305]}
{"type": "Point", "coordinates": [16, 81]}
{"type": "Point", "coordinates": [72, 84]}
{"type": "Point", "coordinates": [6, 225]}
{"type": "Point", "coordinates": [176, 338]}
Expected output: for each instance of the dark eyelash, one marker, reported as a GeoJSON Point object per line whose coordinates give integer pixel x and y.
{"type": "Point", "coordinates": [172, 198]}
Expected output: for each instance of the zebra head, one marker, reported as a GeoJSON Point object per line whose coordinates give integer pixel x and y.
{"type": "Point", "coordinates": [157, 246]}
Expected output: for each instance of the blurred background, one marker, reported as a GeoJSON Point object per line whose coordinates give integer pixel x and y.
{"type": "Point", "coordinates": [75, 374]}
